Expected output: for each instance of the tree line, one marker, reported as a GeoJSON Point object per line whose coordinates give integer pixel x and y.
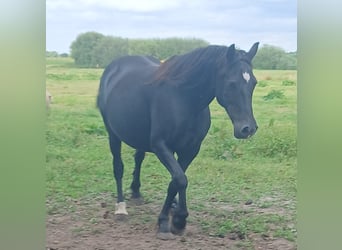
{"type": "Point", "coordinates": [272, 57]}
{"type": "Point", "coordinates": [92, 49]}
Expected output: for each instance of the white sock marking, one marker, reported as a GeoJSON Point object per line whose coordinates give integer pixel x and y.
{"type": "Point", "coordinates": [120, 208]}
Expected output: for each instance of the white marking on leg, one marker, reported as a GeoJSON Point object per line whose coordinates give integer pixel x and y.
{"type": "Point", "coordinates": [120, 208]}
{"type": "Point", "coordinates": [246, 76]}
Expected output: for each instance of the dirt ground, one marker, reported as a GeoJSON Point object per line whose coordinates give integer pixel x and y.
{"type": "Point", "coordinates": [93, 226]}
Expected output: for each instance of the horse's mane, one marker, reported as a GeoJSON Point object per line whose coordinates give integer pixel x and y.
{"type": "Point", "coordinates": [192, 64]}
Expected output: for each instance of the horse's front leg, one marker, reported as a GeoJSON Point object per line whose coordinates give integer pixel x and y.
{"type": "Point", "coordinates": [178, 185]}
{"type": "Point", "coordinates": [185, 157]}
{"type": "Point", "coordinates": [179, 215]}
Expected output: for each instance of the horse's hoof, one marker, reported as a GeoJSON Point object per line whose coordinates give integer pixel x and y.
{"type": "Point", "coordinates": [178, 224]}
{"type": "Point", "coordinates": [165, 236]}
{"type": "Point", "coordinates": [177, 231]}
{"type": "Point", "coordinates": [137, 201]}
{"type": "Point", "coordinates": [120, 208]}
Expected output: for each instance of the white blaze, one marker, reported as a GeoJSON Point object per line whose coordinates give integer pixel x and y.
{"type": "Point", "coordinates": [246, 76]}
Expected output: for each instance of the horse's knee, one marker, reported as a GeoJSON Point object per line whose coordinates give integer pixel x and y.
{"type": "Point", "coordinates": [181, 181]}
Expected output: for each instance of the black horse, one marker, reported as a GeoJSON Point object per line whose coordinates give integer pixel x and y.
{"type": "Point", "coordinates": [164, 109]}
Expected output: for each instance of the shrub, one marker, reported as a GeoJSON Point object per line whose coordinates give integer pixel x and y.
{"type": "Point", "coordinates": [275, 142]}
{"type": "Point", "coordinates": [288, 83]}
{"type": "Point", "coordinates": [274, 94]}
{"type": "Point", "coordinates": [262, 83]}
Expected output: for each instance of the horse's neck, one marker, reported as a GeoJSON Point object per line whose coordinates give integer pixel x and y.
{"type": "Point", "coordinates": [202, 92]}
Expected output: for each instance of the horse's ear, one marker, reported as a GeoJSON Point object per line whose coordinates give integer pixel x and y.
{"type": "Point", "coordinates": [231, 51]}
{"type": "Point", "coordinates": [251, 53]}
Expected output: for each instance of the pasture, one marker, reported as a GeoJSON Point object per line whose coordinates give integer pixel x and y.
{"type": "Point", "coordinates": [241, 194]}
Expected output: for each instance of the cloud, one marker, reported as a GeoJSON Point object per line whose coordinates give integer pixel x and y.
{"type": "Point", "coordinates": [135, 5]}
{"type": "Point", "coordinates": [52, 5]}
{"type": "Point", "coordinates": [120, 5]}
{"type": "Point", "coordinates": [218, 22]}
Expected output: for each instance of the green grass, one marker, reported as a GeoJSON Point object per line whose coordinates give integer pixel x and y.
{"type": "Point", "coordinates": [227, 172]}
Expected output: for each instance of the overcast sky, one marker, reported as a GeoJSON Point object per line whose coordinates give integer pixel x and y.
{"type": "Point", "coordinates": [220, 22]}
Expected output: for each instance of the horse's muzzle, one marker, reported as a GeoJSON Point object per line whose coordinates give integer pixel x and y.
{"type": "Point", "coordinates": [245, 131]}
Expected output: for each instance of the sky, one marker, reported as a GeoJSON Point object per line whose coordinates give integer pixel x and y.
{"type": "Point", "coordinates": [220, 22]}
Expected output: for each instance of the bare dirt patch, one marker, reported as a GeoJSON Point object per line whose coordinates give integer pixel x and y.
{"type": "Point", "coordinates": [87, 225]}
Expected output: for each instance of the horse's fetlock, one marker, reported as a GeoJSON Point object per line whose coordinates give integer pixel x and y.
{"type": "Point", "coordinates": [162, 218]}
{"type": "Point", "coordinates": [180, 214]}
{"type": "Point", "coordinates": [135, 186]}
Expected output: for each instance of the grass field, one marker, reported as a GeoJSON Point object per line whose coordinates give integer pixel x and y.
{"type": "Point", "coordinates": [226, 174]}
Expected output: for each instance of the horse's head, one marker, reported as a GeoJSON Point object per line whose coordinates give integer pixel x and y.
{"type": "Point", "coordinates": [234, 90]}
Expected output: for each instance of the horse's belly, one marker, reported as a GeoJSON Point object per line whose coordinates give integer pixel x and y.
{"type": "Point", "coordinates": [133, 133]}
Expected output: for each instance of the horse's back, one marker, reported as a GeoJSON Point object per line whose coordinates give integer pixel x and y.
{"type": "Point", "coordinates": [119, 70]}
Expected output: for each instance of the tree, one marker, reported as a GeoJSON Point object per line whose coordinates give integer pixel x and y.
{"type": "Point", "coordinates": [82, 48]}
{"type": "Point", "coordinates": [51, 54]}
{"type": "Point", "coordinates": [272, 57]}
{"type": "Point", "coordinates": [92, 49]}
{"type": "Point", "coordinates": [108, 49]}
{"type": "Point", "coordinates": [64, 55]}
{"type": "Point", "coordinates": [144, 47]}
{"type": "Point", "coordinates": [164, 48]}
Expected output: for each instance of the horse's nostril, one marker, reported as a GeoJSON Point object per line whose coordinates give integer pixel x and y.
{"type": "Point", "coordinates": [245, 130]}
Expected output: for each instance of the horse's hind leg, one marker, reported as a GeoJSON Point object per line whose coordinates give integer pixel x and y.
{"type": "Point", "coordinates": [135, 186]}
{"type": "Point", "coordinates": [118, 169]}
